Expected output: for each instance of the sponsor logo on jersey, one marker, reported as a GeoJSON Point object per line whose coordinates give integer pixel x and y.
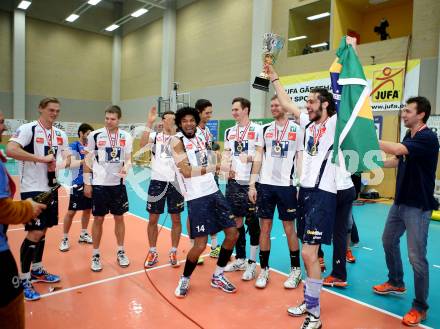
{"type": "Point", "coordinates": [269, 135]}
{"type": "Point", "coordinates": [292, 136]}
{"type": "Point", "coordinates": [251, 135]}
{"type": "Point", "coordinates": [60, 140]}
{"type": "Point", "coordinates": [122, 142]}
{"type": "Point", "coordinates": [101, 143]}
{"type": "Point", "coordinates": [39, 140]}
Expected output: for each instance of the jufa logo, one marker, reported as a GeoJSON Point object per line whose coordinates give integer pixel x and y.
{"type": "Point", "coordinates": [387, 85]}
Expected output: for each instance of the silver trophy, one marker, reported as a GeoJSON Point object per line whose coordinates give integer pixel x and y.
{"type": "Point", "coordinates": [272, 45]}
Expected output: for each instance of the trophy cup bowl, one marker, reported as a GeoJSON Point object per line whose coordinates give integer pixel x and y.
{"type": "Point", "coordinates": [272, 45]}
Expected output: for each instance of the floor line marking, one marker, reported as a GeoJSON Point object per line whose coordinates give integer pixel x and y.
{"type": "Point", "coordinates": [113, 278]}
{"type": "Point", "coordinates": [366, 248]}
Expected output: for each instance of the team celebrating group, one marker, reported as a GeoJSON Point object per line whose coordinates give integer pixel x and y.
{"type": "Point", "coordinates": [284, 165]}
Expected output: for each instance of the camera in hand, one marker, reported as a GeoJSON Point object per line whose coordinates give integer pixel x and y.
{"type": "Point", "coordinates": [46, 197]}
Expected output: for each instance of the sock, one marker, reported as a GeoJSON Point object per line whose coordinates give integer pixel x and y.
{"type": "Point", "coordinates": [189, 268]}
{"type": "Point", "coordinates": [95, 252]}
{"type": "Point", "coordinates": [153, 249]}
{"type": "Point", "coordinates": [172, 250]}
{"type": "Point", "coordinates": [120, 248]}
{"type": "Point", "coordinates": [294, 258]}
{"type": "Point", "coordinates": [83, 231]}
{"type": "Point", "coordinates": [264, 258]}
{"type": "Point", "coordinates": [320, 252]}
{"type": "Point", "coordinates": [223, 257]}
{"type": "Point", "coordinates": [240, 246]}
{"type": "Point", "coordinates": [37, 266]}
{"type": "Point", "coordinates": [39, 249]}
{"type": "Point", "coordinates": [219, 270]}
{"type": "Point", "coordinates": [253, 254]}
{"type": "Point", "coordinates": [25, 276]}
{"type": "Point", "coordinates": [27, 252]}
{"type": "Point", "coordinates": [65, 235]}
{"type": "Point", "coordinates": [312, 295]}
{"type": "Point", "coordinates": [214, 243]}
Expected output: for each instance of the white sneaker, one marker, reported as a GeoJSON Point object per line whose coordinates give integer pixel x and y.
{"type": "Point", "coordinates": [85, 238]}
{"type": "Point", "coordinates": [263, 278]}
{"type": "Point", "coordinates": [250, 273]}
{"type": "Point", "coordinates": [182, 288]}
{"type": "Point", "coordinates": [294, 278]}
{"type": "Point", "coordinates": [122, 258]}
{"type": "Point", "coordinates": [237, 265]}
{"type": "Point", "coordinates": [311, 322]}
{"type": "Point", "coordinates": [64, 244]}
{"type": "Point", "coordinates": [96, 263]}
{"type": "Point", "coordinates": [299, 310]}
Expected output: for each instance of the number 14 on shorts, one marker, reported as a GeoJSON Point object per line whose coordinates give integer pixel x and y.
{"type": "Point", "coordinates": [200, 228]}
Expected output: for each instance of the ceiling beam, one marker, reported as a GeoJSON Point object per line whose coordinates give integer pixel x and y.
{"type": "Point", "coordinates": [152, 3]}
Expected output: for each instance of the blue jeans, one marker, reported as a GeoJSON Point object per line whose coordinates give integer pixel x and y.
{"type": "Point", "coordinates": [416, 223]}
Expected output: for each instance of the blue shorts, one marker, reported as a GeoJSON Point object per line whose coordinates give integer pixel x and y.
{"type": "Point", "coordinates": [209, 215]}
{"type": "Point", "coordinates": [238, 198]}
{"type": "Point", "coordinates": [111, 199]}
{"type": "Point", "coordinates": [158, 193]}
{"type": "Point", "coordinates": [49, 216]}
{"type": "Point", "coordinates": [77, 199]}
{"type": "Point", "coordinates": [316, 216]}
{"type": "Point", "coordinates": [282, 197]}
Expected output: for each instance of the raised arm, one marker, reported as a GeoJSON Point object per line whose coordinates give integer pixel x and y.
{"type": "Point", "coordinates": [152, 116]}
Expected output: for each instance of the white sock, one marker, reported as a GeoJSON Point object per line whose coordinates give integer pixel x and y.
{"type": "Point", "coordinates": [96, 252]}
{"type": "Point", "coordinates": [66, 235]}
{"type": "Point", "coordinates": [25, 276]}
{"type": "Point", "coordinates": [214, 241]}
{"type": "Point", "coordinates": [219, 270]}
{"type": "Point", "coordinates": [153, 249]}
{"type": "Point", "coordinates": [120, 248]}
{"type": "Point", "coordinates": [37, 266]}
{"type": "Point", "coordinates": [173, 249]}
{"type": "Point", "coordinates": [253, 253]}
{"type": "Point", "coordinates": [83, 230]}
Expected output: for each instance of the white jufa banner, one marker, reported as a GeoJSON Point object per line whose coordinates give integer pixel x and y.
{"type": "Point", "coordinates": [388, 87]}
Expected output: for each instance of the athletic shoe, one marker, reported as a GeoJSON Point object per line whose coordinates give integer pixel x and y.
{"type": "Point", "coordinates": [237, 265]}
{"type": "Point", "coordinates": [251, 272]}
{"type": "Point", "coordinates": [311, 322]}
{"type": "Point", "coordinates": [85, 238]}
{"type": "Point", "coordinates": [387, 288]}
{"type": "Point", "coordinates": [200, 261]}
{"type": "Point", "coordinates": [29, 292]}
{"type": "Point", "coordinates": [182, 288]}
{"type": "Point", "coordinates": [96, 263]}
{"type": "Point", "coordinates": [173, 259]}
{"type": "Point", "coordinates": [221, 282]}
{"type": "Point", "coordinates": [299, 310]}
{"type": "Point", "coordinates": [122, 259]}
{"type": "Point", "coordinates": [414, 317]}
{"type": "Point", "coordinates": [331, 281]}
{"type": "Point", "coordinates": [294, 278]}
{"type": "Point", "coordinates": [152, 259]}
{"type": "Point", "coordinates": [263, 278]}
{"type": "Point", "coordinates": [349, 256]}
{"type": "Point", "coordinates": [41, 275]}
{"type": "Point", "coordinates": [322, 264]}
{"type": "Point", "coordinates": [64, 244]}
{"type": "Point", "coordinates": [215, 252]}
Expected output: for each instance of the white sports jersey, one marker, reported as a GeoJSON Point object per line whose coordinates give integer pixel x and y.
{"type": "Point", "coordinates": [197, 186]}
{"type": "Point", "coordinates": [243, 140]}
{"type": "Point", "coordinates": [318, 140]}
{"type": "Point", "coordinates": [343, 179]}
{"type": "Point", "coordinates": [205, 136]}
{"type": "Point", "coordinates": [38, 140]}
{"type": "Point", "coordinates": [110, 153]}
{"type": "Point", "coordinates": [281, 144]}
{"type": "Point", "coordinates": [162, 164]}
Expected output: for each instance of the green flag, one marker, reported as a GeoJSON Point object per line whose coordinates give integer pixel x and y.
{"type": "Point", "coordinates": [355, 132]}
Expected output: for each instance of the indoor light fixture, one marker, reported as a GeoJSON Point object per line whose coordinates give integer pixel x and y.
{"type": "Point", "coordinates": [322, 44]}
{"type": "Point", "coordinates": [139, 12]}
{"type": "Point", "coordinates": [111, 27]}
{"type": "Point", "coordinates": [72, 18]}
{"type": "Point", "coordinates": [298, 38]}
{"type": "Point", "coordinates": [315, 17]}
{"type": "Point", "coordinates": [93, 2]}
{"type": "Point", "coordinates": [24, 4]}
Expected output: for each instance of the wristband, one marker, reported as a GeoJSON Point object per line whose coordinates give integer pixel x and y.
{"type": "Point", "coordinates": [277, 79]}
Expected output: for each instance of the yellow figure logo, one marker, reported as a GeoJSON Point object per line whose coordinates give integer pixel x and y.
{"type": "Point", "coordinates": [387, 85]}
